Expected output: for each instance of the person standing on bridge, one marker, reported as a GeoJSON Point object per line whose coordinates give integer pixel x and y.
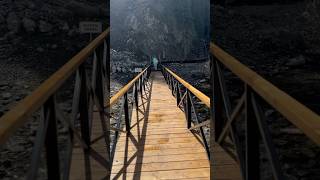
{"type": "Point", "coordinates": [155, 63]}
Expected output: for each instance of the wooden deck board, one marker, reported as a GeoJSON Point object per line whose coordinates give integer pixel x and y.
{"type": "Point", "coordinates": [159, 146]}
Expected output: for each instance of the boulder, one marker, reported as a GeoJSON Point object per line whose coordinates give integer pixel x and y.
{"type": "Point", "coordinates": [2, 19]}
{"type": "Point", "coordinates": [84, 10]}
{"type": "Point", "coordinates": [65, 27]}
{"type": "Point", "coordinates": [29, 24]}
{"type": "Point", "coordinates": [40, 49]}
{"type": "Point", "coordinates": [54, 46]}
{"type": "Point", "coordinates": [13, 22]}
{"type": "Point", "coordinates": [293, 131]}
{"type": "Point", "coordinates": [44, 26]}
{"type": "Point", "coordinates": [6, 95]}
{"type": "Point", "coordinates": [297, 61]}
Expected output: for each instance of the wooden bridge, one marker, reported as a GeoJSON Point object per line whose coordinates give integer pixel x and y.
{"type": "Point", "coordinates": [158, 133]}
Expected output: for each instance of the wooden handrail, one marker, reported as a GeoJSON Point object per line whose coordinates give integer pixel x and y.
{"type": "Point", "coordinates": [17, 116]}
{"type": "Point", "coordinates": [205, 99]}
{"type": "Point", "coordinates": [294, 111]}
{"type": "Point", "coordinates": [125, 89]}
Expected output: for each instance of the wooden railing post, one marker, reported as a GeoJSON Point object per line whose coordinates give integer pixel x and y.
{"type": "Point", "coordinates": [136, 95]}
{"type": "Point", "coordinates": [141, 89]}
{"type": "Point", "coordinates": [51, 140]}
{"type": "Point", "coordinates": [126, 112]}
{"type": "Point", "coordinates": [252, 139]}
{"type": "Point", "coordinates": [218, 101]}
{"type": "Point", "coordinates": [212, 113]}
{"type": "Point", "coordinates": [178, 94]}
{"type": "Point", "coordinates": [84, 119]}
{"type": "Point", "coordinates": [188, 110]}
{"type": "Point", "coordinates": [172, 86]}
{"type": "Point", "coordinates": [144, 81]}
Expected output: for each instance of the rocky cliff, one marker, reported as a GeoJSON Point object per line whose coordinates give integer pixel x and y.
{"type": "Point", "coordinates": [152, 28]}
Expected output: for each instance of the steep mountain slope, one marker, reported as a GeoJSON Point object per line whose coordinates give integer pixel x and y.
{"type": "Point", "coordinates": [151, 27]}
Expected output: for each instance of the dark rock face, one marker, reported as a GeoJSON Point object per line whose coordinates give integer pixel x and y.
{"type": "Point", "coordinates": [157, 28]}
{"type": "Point", "coordinates": [47, 16]}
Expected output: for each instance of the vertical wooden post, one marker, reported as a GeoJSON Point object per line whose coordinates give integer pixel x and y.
{"type": "Point", "coordinates": [136, 95]}
{"type": "Point", "coordinates": [212, 114]}
{"type": "Point", "coordinates": [252, 139]}
{"type": "Point", "coordinates": [126, 112]}
{"type": "Point", "coordinates": [218, 101]}
{"type": "Point", "coordinates": [141, 89]}
{"type": "Point", "coordinates": [172, 86]}
{"type": "Point", "coordinates": [178, 94]}
{"type": "Point", "coordinates": [188, 109]}
{"type": "Point", "coordinates": [51, 141]}
{"type": "Point", "coordinates": [84, 119]}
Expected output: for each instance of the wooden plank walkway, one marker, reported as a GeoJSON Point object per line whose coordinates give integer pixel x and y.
{"type": "Point", "coordinates": [159, 146]}
{"type": "Point", "coordinates": [95, 169]}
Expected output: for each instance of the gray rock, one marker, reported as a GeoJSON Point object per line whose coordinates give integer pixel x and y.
{"type": "Point", "coordinates": [4, 84]}
{"type": "Point", "coordinates": [65, 27]}
{"type": "Point", "coordinates": [269, 112]}
{"type": "Point", "coordinates": [26, 86]}
{"type": "Point", "coordinates": [9, 35]}
{"type": "Point", "coordinates": [6, 95]}
{"type": "Point", "coordinates": [13, 22]}
{"type": "Point", "coordinates": [29, 24]}
{"type": "Point", "coordinates": [54, 46]}
{"type": "Point", "coordinates": [297, 61]}
{"type": "Point", "coordinates": [45, 26]}
{"type": "Point", "coordinates": [40, 49]}
{"type": "Point", "coordinates": [4, 87]}
{"type": "Point", "coordinates": [72, 32]}
{"type": "Point", "coordinates": [31, 5]}
{"type": "Point", "coordinates": [85, 10]}
{"type": "Point", "coordinates": [2, 19]}
{"type": "Point", "coordinates": [294, 131]}
{"type": "Point", "coordinates": [309, 153]}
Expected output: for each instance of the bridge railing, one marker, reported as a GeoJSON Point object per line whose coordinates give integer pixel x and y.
{"type": "Point", "coordinates": [89, 93]}
{"type": "Point", "coordinates": [226, 121]}
{"type": "Point", "coordinates": [135, 87]}
{"type": "Point", "coordinates": [184, 93]}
